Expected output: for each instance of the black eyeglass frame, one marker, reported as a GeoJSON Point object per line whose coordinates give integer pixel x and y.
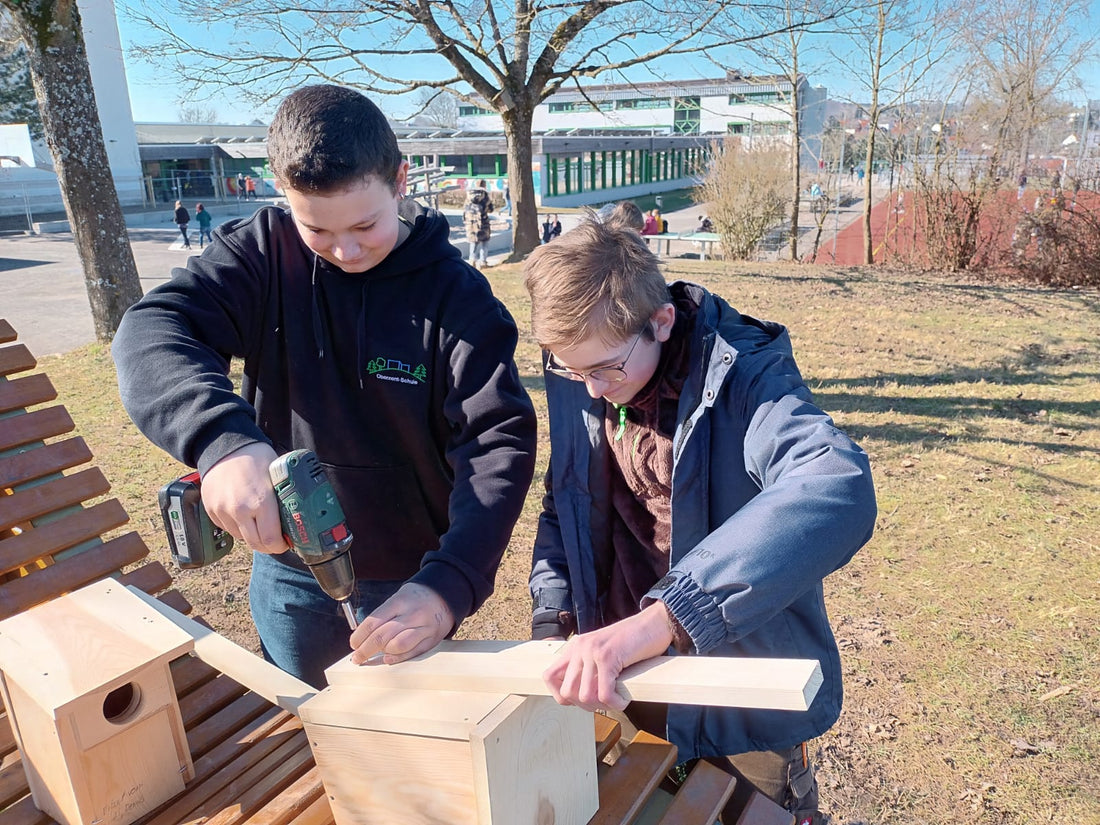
{"type": "Point", "coordinates": [618, 370]}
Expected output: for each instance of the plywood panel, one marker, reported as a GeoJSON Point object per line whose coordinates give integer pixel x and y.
{"type": "Point", "coordinates": [535, 761]}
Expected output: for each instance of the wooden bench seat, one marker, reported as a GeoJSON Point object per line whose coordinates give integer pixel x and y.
{"type": "Point", "coordinates": [253, 764]}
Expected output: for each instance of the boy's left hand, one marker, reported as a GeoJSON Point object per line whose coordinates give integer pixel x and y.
{"type": "Point", "coordinates": [587, 668]}
{"type": "Point", "coordinates": [412, 621]}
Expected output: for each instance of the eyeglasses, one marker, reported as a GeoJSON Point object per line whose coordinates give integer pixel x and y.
{"type": "Point", "coordinates": [611, 375]}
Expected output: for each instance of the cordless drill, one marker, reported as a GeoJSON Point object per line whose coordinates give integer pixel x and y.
{"type": "Point", "coordinates": [312, 523]}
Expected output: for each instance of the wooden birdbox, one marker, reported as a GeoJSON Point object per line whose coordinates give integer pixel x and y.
{"type": "Point", "coordinates": [92, 706]}
{"type": "Point", "coordinates": [442, 757]}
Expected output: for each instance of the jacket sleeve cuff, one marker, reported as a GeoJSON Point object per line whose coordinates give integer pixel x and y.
{"type": "Point", "coordinates": [225, 436]}
{"type": "Point", "coordinates": [692, 609]}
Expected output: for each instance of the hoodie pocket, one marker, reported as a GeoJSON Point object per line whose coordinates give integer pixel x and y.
{"type": "Point", "coordinates": [388, 518]}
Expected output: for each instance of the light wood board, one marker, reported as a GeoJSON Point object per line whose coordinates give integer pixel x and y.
{"type": "Point", "coordinates": [516, 667]}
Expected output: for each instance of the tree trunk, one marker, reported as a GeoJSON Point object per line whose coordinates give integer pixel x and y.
{"type": "Point", "coordinates": [63, 86]}
{"type": "Point", "coordinates": [521, 183]}
{"type": "Point", "coordinates": [868, 203]}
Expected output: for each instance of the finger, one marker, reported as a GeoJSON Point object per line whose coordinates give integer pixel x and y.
{"type": "Point", "coordinates": [408, 645]}
{"type": "Point", "coordinates": [374, 642]}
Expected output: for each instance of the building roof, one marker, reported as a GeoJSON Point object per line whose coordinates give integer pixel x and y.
{"type": "Point", "coordinates": [734, 83]}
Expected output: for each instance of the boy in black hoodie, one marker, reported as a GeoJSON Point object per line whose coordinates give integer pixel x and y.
{"type": "Point", "coordinates": [366, 339]}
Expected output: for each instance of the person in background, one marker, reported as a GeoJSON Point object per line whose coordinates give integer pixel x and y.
{"type": "Point", "coordinates": [705, 224]}
{"type": "Point", "coordinates": [551, 228]}
{"type": "Point", "coordinates": [478, 228]}
{"type": "Point", "coordinates": [250, 187]}
{"type": "Point", "coordinates": [367, 339]}
{"type": "Point", "coordinates": [651, 225]}
{"type": "Point", "coordinates": [695, 499]}
{"type": "Point", "coordinates": [240, 187]}
{"type": "Point", "coordinates": [203, 217]}
{"type": "Point", "coordinates": [182, 218]}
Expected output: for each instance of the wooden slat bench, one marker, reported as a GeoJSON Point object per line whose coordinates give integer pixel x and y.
{"type": "Point", "coordinates": [253, 765]}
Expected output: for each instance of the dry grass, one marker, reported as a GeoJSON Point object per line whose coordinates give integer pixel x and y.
{"type": "Point", "coordinates": [968, 625]}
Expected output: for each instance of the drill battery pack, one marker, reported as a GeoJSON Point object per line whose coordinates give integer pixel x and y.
{"type": "Point", "coordinates": [195, 541]}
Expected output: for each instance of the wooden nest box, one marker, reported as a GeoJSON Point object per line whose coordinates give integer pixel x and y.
{"type": "Point", "coordinates": [449, 757]}
{"type": "Point", "coordinates": [92, 705]}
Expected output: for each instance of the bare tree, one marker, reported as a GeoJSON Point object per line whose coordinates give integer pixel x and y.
{"type": "Point", "coordinates": [505, 56]}
{"type": "Point", "coordinates": [437, 108]}
{"type": "Point", "coordinates": [54, 42]}
{"type": "Point", "coordinates": [792, 21]}
{"type": "Point", "coordinates": [897, 44]}
{"type": "Point", "coordinates": [198, 114]}
{"type": "Point", "coordinates": [1026, 52]}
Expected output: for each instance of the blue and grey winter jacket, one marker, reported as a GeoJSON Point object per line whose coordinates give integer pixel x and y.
{"type": "Point", "coordinates": [768, 498]}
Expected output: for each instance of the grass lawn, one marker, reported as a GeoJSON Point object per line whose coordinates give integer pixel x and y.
{"type": "Point", "coordinates": [968, 625]}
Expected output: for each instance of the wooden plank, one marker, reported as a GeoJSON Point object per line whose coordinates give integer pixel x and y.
{"type": "Point", "coordinates": [227, 721]}
{"type": "Point", "coordinates": [175, 600]}
{"type": "Point", "coordinates": [7, 332]}
{"type": "Point", "coordinates": [45, 540]}
{"type": "Point", "coordinates": [516, 667]}
{"type": "Point", "coordinates": [250, 791]}
{"type": "Point", "coordinates": [19, 430]}
{"type": "Point", "coordinates": [608, 732]}
{"type": "Point", "coordinates": [38, 462]}
{"type": "Point", "coordinates": [13, 779]}
{"type": "Point", "coordinates": [150, 578]}
{"type": "Point", "coordinates": [209, 699]}
{"type": "Point", "coordinates": [23, 812]}
{"type": "Point", "coordinates": [16, 359]}
{"type": "Point", "coordinates": [319, 812]}
{"type": "Point", "coordinates": [26, 392]}
{"type": "Point", "coordinates": [56, 494]}
{"type": "Point", "coordinates": [190, 673]}
{"type": "Point", "coordinates": [625, 788]}
{"type": "Point", "coordinates": [70, 574]}
{"type": "Point", "coordinates": [7, 740]}
{"type": "Point", "coordinates": [701, 798]}
{"type": "Point", "coordinates": [291, 802]}
{"type": "Point", "coordinates": [277, 686]}
{"type": "Point", "coordinates": [219, 774]}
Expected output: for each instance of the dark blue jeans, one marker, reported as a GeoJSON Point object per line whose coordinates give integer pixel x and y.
{"type": "Point", "coordinates": [302, 630]}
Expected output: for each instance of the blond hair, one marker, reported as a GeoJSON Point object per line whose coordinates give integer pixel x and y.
{"type": "Point", "coordinates": [598, 279]}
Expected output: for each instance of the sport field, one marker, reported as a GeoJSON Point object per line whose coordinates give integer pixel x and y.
{"type": "Point", "coordinates": [968, 625]}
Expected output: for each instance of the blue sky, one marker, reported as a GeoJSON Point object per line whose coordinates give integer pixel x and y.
{"type": "Point", "coordinates": [155, 90]}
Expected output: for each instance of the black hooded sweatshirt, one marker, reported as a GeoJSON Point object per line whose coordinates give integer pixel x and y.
{"type": "Point", "coordinates": [402, 379]}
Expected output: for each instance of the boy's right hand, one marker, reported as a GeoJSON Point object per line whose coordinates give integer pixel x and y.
{"type": "Point", "coordinates": [238, 496]}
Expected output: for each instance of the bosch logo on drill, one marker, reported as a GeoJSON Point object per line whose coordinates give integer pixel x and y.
{"type": "Point", "coordinates": [300, 524]}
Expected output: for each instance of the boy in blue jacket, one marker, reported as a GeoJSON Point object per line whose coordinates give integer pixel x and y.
{"type": "Point", "coordinates": [695, 500]}
{"type": "Point", "coordinates": [366, 339]}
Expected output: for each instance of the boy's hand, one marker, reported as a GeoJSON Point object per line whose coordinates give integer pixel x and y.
{"type": "Point", "coordinates": [412, 621]}
{"type": "Point", "coordinates": [587, 668]}
{"type": "Point", "coordinates": [239, 498]}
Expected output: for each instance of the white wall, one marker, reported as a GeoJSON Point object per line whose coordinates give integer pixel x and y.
{"type": "Point", "coordinates": [112, 98]}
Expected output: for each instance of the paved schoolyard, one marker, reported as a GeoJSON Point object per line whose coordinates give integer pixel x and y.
{"type": "Point", "coordinates": [42, 291]}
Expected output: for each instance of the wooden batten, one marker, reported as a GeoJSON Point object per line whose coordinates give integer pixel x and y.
{"type": "Point", "coordinates": [516, 667]}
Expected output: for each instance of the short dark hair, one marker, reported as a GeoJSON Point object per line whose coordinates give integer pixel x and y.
{"type": "Point", "coordinates": [326, 138]}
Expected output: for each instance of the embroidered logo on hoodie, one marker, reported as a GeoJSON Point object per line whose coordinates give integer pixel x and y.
{"type": "Point", "coordinates": [394, 369]}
